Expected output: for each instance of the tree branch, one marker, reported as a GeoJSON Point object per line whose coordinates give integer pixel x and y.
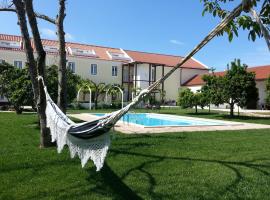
{"type": "Point", "coordinates": [38, 15]}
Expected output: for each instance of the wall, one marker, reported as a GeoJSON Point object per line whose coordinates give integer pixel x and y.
{"type": "Point", "coordinates": [261, 85]}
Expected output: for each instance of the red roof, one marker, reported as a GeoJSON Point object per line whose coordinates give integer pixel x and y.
{"type": "Point", "coordinates": [102, 53]}
{"type": "Point", "coordinates": [261, 72]}
{"type": "Point", "coordinates": [162, 59]}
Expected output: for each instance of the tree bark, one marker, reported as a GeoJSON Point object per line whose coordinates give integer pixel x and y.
{"type": "Point", "coordinates": [27, 46]}
{"type": "Point", "coordinates": [231, 109]}
{"type": "Point", "coordinates": [62, 77]}
{"type": "Point", "coordinates": [45, 138]}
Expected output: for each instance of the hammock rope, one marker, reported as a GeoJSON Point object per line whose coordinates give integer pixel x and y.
{"type": "Point", "coordinates": [91, 140]}
{"type": "Point", "coordinates": [114, 117]}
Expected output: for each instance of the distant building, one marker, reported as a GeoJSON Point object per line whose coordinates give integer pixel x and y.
{"type": "Point", "coordinates": [130, 69]}
{"type": "Point", "coordinates": [261, 72]}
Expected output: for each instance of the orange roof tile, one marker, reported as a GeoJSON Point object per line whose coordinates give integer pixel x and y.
{"type": "Point", "coordinates": [162, 59]}
{"type": "Point", "coordinates": [101, 52]}
{"type": "Point", "coordinates": [261, 72]}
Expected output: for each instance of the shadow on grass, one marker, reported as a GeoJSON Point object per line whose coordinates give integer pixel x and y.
{"type": "Point", "coordinates": [107, 182]}
{"type": "Point", "coordinates": [150, 160]}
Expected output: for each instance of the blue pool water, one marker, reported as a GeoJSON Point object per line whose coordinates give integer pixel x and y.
{"type": "Point", "coordinates": [154, 120]}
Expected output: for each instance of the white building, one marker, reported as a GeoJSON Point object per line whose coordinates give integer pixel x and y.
{"type": "Point", "coordinates": [262, 73]}
{"type": "Point", "coordinates": [131, 69]}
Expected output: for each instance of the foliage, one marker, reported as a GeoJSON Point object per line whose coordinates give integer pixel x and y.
{"type": "Point", "coordinates": [185, 98]}
{"type": "Point", "coordinates": [239, 86]}
{"type": "Point", "coordinates": [97, 89]}
{"type": "Point", "coordinates": [73, 81]}
{"type": "Point", "coordinates": [188, 99]}
{"type": "Point", "coordinates": [267, 99]}
{"type": "Point", "coordinates": [213, 89]}
{"type": "Point", "coordinates": [16, 86]}
{"type": "Point", "coordinates": [244, 21]}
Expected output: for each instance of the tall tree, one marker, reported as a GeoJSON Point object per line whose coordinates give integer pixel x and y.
{"type": "Point", "coordinates": [213, 89]}
{"type": "Point", "coordinates": [237, 86]}
{"type": "Point", "coordinates": [267, 99]}
{"type": "Point", "coordinates": [45, 139]}
{"type": "Point", "coordinates": [62, 71]}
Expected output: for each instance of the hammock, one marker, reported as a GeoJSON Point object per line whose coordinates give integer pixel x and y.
{"type": "Point", "coordinates": [91, 140]}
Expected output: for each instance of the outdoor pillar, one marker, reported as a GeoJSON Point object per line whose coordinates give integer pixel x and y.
{"type": "Point", "coordinates": [162, 86]}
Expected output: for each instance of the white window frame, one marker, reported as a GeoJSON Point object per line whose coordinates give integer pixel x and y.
{"type": "Point", "coordinates": [93, 69]}
{"type": "Point", "coordinates": [114, 70]}
{"type": "Point", "coordinates": [18, 61]}
{"type": "Point", "coordinates": [71, 66]}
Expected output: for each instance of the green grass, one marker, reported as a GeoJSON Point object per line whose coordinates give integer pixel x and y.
{"type": "Point", "coordinates": [198, 165]}
{"type": "Point", "coordinates": [191, 113]}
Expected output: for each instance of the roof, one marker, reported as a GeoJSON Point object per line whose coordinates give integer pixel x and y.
{"type": "Point", "coordinates": [102, 53]}
{"type": "Point", "coordinates": [261, 73]}
{"type": "Point", "coordinates": [162, 59]}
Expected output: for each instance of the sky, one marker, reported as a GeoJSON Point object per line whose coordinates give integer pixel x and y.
{"type": "Point", "coordinates": [170, 27]}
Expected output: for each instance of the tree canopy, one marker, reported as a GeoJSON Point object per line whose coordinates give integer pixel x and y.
{"type": "Point", "coordinates": [218, 8]}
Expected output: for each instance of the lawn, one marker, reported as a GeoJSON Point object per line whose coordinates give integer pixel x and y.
{"type": "Point", "coordinates": [198, 165]}
{"type": "Point", "coordinates": [191, 113]}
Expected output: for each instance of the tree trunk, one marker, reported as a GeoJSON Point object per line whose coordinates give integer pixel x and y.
{"type": "Point", "coordinates": [231, 109]}
{"type": "Point", "coordinates": [62, 77]}
{"type": "Point", "coordinates": [96, 100]}
{"type": "Point", "coordinates": [27, 46]}
{"type": "Point", "coordinates": [209, 108]}
{"type": "Point", "coordinates": [196, 109]}
{"type": "Point", "coordinates": [45, 138]}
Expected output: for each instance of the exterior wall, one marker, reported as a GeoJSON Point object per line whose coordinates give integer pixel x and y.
{"type": "Point", "coordinates": [142, 76]}
{"type": "Point", "coordinates": [11, 56]}
{"type": "Point", "coordinates": [261, 85]}
{"type": "Point", "coordinates": [187, 74]}
{"type": "Point", "coordinates": [104, 70]}
{"type": "Point", "coordinates": [195, 88]}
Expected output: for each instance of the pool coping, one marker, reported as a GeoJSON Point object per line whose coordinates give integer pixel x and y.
{"type": "Point", "coordinates": [130, 128]}
{"type": "Point", "coordinates": [225, 123]}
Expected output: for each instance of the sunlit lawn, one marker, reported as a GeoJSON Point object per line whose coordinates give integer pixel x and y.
{"type": "Point", "coordinates": [199, 165]}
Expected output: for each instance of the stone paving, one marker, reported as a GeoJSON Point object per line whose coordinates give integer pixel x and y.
{"type": "Point", "coordinates": [129, 128]}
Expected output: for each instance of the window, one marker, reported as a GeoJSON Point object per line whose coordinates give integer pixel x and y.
{"type": "Point", "coordinates": [2, 61]}
{"type": "Point", "coordinates": [118, 56]}
{"type": "Point", "coordinates": [114, 70]}
{"type": "Point", "coordinates": [93, 69]}
{"type": "Point", "coordinates": [71, 66]}
{"type": "Point", "coordinates": [18, 64]}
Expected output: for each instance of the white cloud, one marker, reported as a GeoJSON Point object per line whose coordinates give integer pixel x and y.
{"type": "Point", "coordinates": [48, 33]}
{"type": "Point", "coordinates": [51, 34]}
{"type": "Point", "coordinates": [69, 36]}
{"type": "Point", "coordinates": [176, 42]}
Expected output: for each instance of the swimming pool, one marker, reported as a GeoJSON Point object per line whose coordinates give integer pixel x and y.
{"type": "Point", "coordinates": [159, 120]}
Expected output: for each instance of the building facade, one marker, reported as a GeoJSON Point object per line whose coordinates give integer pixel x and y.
{"type": "Point", "coordinates": [262, 73]}
{"type": "Point", "coordinates": [133, 70]}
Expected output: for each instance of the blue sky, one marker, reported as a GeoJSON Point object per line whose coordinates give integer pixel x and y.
{"type": "Point", "coordinates": [170, 27]}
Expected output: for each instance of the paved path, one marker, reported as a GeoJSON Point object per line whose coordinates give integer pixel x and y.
{"type": "Point", "coordinates": [136, 129]}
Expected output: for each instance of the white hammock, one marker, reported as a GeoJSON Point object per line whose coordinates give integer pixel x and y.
{"type": "Point", "coordinates": [93, 148]}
